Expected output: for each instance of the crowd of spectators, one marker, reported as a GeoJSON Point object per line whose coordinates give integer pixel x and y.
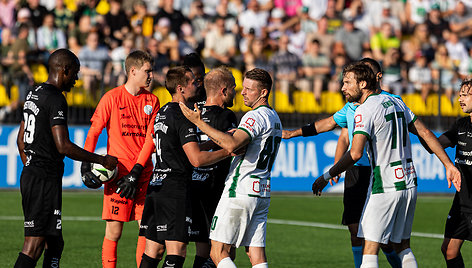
{"type": "Point", "coordinates": [423, 45]}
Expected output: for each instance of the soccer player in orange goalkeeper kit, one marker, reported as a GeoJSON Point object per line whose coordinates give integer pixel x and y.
{"type": "Point", "coordinates": [128, 113]}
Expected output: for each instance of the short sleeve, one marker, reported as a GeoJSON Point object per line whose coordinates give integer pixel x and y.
{"type": "Point", "coordinates": [187, 131]}
{"type": "Point", "coordinates": [409, 116]}
{"type": "Point", "coordinates": [340, 116]}
{"type": "Point", "coordinates": [451, 134]}
{"type": "Point", "coordinates": [251, 124]}
{"type": "Point", "coordinates": [363, 122]}
{"type": "Point", "coordinates": [58, 110]}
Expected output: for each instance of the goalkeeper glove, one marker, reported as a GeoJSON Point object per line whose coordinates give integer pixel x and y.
{"type": "Point", "coordinates": [127, 184]}
{"type": "Point", "coordinates": [88, 178]}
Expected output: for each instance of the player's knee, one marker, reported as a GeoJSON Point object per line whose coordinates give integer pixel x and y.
{"type": "Point", "coordinates": [449, 252]}
{"type": "Point", "coordinates": [215, 255]}
{"type": "Point", "coordinates": [33, 247]}
{"type": "Point", "coordinates": [113, 233]}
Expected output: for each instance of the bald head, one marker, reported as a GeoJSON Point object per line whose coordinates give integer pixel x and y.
{"type": "Point", "coordinates": [63, 69]}
{"type": "Point", "coordinates": [218, 78]}
{"type": "Point", "coordinates": [62, 58]}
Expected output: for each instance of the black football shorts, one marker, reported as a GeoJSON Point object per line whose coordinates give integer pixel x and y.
{"type": "Point", "coordinates": [41, 192]}
{"type": "Point", "coordinates": [166, 218]}
{"type": "Point", "coordinates": [356, 185]}
{"type": "Point", "coordinates": [458, 224]}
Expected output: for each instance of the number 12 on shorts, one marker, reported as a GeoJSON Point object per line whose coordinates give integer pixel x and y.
{"type": "Point", "coordinates": [114, 210]}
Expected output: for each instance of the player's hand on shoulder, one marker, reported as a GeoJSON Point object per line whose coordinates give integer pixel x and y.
{"type": "Point", "coordinates": [88, 178]}
{"type": "Point", "coordinates": [127, 184]}
{"type": "Point", "coordinates": [110, 162]}
{"type": "Point", "coordinates": [192, 116]}
{"type": "Point", "coordinates": [319, 185]}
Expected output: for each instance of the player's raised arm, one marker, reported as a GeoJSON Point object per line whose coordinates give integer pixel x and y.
{"type": "Point", "coordinates": [452, 173]}
{"type": "Point", "coordinates": [312, 129]}
{"type": "Point", "coordinates": [228, 142]}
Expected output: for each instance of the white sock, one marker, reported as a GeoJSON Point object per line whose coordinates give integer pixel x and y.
{"type": "Point", "coordinates": [261, 265]}
{"type": "Point", "coordinates": [226, 263]}
{"type": "Point", "coordinates": [408, 259]}
{"type": "Point", "coordinates": [370, 261]}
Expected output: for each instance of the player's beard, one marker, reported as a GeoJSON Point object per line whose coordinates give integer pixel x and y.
{"type": "Point", "coordinates": [355, 97]}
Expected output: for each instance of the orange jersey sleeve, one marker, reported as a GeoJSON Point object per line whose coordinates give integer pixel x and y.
{"type": "Point", "coordinates": [128, 120]}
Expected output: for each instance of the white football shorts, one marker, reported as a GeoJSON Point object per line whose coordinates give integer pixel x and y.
{"type": "Point", "coordinates": [240, 221]}
{"type": "Point", "coordinates": [388, 216]}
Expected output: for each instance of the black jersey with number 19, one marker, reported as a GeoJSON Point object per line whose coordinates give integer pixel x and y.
{"type": "Point", "coordinates": [44, 108]}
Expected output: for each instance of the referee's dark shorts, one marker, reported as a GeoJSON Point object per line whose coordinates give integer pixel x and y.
{"type": "Point", "coordinates": [356, 185]}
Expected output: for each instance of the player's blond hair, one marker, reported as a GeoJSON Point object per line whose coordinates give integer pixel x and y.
{"type": "Point", "coordinates": [218, 78]}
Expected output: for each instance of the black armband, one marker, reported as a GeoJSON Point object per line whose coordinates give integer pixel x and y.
{"type": "Point", "coordinates": [309, 130]}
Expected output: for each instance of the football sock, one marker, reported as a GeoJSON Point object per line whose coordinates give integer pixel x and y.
{"type": "Point", "coordinates": [199, 261]}
{"type": "Point", "coordinates": [226, 263]}
{"type": "Point", "coordinates": [408, 259]}
{"type": "Point", "coordinates": [261, 265]}
{"type": "Point", "coordinates": [357, 253]}
{"type": "Point", "coordinates": [370, 261]}
{"type": "Point", "coordinates": [173, 261]}
{"type": "Point", "coordinates": [24, 261]}
{"type": "Point", "coordinates": [393, 259]}
{"type": "Point", "coordinates": [109, 255]}
{"type": "Point", "coordinates": [140, 249]}
{"type": "Point", "coordinates": [148, 262]}
{"type": "Point", "coordinates": [50, 260]}
{"type": "Point", "coordinates": [457, 262]}
{"type": "Point", "coordinates": [52, 255]}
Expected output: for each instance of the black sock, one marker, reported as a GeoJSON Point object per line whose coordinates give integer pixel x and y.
{"type": "Point", "coordinates": [24, 261]}
{"type": "Point", "coordinates": [199, 261]}
{"type": "Point", "coordinates": [51, 260]}
{"type": "Point", "coordinates": [148, 262]}
{"type": "Point", "coordinates": [457, 262]}
{"type": "Point", "coordinates": [53, 252]}
{"type": "Point", "coordinates": [173, 261]}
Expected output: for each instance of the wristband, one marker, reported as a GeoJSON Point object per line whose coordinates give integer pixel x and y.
{"type": "Point", "coordinates": [326, 176]}
{"type": "Point", "coordinates": [309, 130]}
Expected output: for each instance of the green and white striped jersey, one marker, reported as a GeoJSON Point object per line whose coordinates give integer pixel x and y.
{"type": "Point", "coordinates": [384, 120]}
{"type": "Point", "coordinates": [250, 173]}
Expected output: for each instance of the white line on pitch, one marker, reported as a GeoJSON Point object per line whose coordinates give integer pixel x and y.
{"type": "Point", "coordinates": [340, 227]}
{"type": "Point", "coordinates": [274, 221]}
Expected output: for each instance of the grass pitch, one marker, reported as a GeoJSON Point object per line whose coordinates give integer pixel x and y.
{"type": "Point", "coordinates": [303, 231]}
